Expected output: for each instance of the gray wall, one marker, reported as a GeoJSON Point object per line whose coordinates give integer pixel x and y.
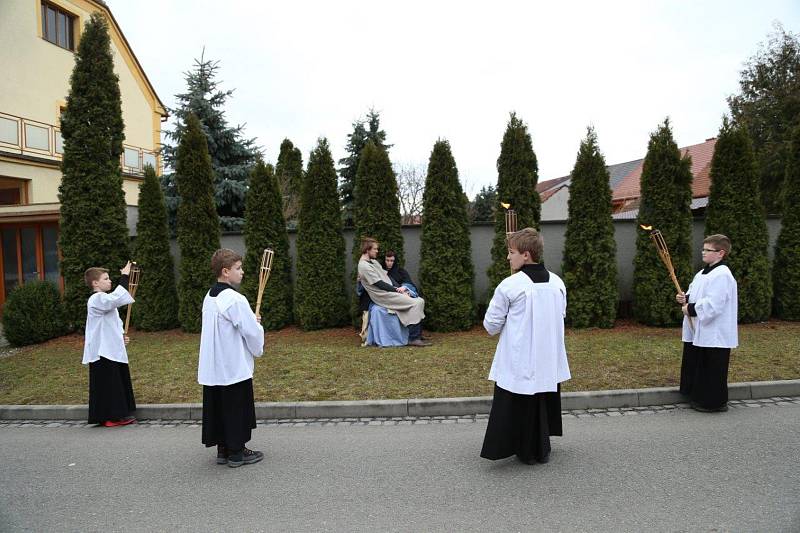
{"type": "Point", "coordinates": [481, 241]}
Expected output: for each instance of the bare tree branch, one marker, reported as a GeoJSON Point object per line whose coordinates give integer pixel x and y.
{"type": "Point", "coordinates": [410, 187]}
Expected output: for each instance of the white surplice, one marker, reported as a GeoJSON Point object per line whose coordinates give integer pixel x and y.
{"type": "Point", "coordinates": [715, 300]}
{"type": "Point", "coordinates": [104, 329]}
{"type": "Point", "coordinates": [230, 339]}
{"type": "Point", "coordinates": [530, 356]}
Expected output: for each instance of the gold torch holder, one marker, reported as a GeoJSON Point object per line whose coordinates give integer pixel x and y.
{"type": "Point", "coordinates": [133, 284]}
{"type": "Point", "coordinates": [263, 276]}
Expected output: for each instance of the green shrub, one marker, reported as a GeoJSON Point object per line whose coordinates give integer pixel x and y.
{"type": "Point", "coordinates": [34, 313]}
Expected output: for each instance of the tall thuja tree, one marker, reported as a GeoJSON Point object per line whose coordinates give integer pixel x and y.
{"type": "Point", "coordinates": [786, 274]}
{"type": "Point", "coordinates": [289, 172]}
{"type": "Point", "coordinates": [368, 129]}
{"type": "Point", "coordinates": [232, 156]}
{"type": "Point", "coordinates": [768, 105]}
{"type": "Point", "coordinates": [198, 223]}
{"type": "Point", "coordinates": [376, 209]}
{"type": "Point", "coordinates": [320, 246]}
{"type": "Point", "coordinates": [265, 227]}
{"type": "Point", "coordinates": [590, 265]}
{"type": "Point", "coordinates": [446, 271]}
{"type": "Point", "coordinates": [666, 196]}
{"type": "Point", "coordinates": [93, 224]}
{"type": "Point", "coordinates": [735, 209]}
{"type": "Point", "coordinates": [156, 298]}
{"type": "Point", "coordinates": [517, 175]}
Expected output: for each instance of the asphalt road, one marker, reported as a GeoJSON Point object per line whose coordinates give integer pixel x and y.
{"type": "Point", "coordinates": [671, 471]}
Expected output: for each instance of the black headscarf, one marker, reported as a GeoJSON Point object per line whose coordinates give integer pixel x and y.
{"type": "Point", "coordinates": [397, 275]}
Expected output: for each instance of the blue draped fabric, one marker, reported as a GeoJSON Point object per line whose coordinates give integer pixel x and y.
{"type": "Point", "coordinates": [385, 329]}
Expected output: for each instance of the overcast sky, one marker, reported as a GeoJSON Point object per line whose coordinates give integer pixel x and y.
{"type": "Point", "coordinates": [454, 70]}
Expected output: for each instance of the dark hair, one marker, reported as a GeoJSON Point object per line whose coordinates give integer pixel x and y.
{"type": "Point", "coordinates": [722, 242]}
{"type": "Point", "coordinates": [223, 258]}
{"type": "Point", "coordinates": [93, 274]}
{"type": "Point", "coordinates": [390, 253]}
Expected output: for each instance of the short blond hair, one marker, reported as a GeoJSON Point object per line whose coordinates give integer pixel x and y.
{"type": "Point", "coordinates": [223, 258]}
{"type": "Point", "coordinates": [527, 240]}
{"type": "Point", "coordinates": [720, 242]}
{"type": "Point", "coordinates": [93, 274]}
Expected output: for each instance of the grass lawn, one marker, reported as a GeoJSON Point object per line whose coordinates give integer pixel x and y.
{"type": "Point", "coordinates": [329, 364]}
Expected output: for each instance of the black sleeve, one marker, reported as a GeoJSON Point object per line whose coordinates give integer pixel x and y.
{"type": "Point", "coordinates": [123, 281]}
{"type": "Point", "coordinates": [692, 312]}
{"type": "Point", "coordinates": [382, 285]}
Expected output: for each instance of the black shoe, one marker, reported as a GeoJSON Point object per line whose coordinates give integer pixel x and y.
{"type": "Point", "coordinates": [418, 342]}
{"type": "Point", "coordinates": [545, 459]}
{"type": "Point", "coordinates": [222, 455]}
{"type": "Point", "coordinates": [244, 457]}
{"type": "Point", "coordinates": [706, 410]}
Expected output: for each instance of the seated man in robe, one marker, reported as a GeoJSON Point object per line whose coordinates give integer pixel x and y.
{"type": "Point", "coordinates": [389, 301]}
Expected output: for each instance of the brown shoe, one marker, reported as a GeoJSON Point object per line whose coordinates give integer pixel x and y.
{"type": "Point", "coordinates": [418, 342]}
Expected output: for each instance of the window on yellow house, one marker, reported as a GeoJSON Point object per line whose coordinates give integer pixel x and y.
{"type": "Point", "coordinates": [58, 26]}
{"type": "Point", "coordinates": [12, 191]}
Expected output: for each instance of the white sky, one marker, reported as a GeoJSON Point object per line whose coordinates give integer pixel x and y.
{"type": "Point", "coordinates": [454, 69]}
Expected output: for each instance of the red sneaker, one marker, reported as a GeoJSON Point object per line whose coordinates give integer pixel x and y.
{"type": "Point", "coordinates": [123, 422]}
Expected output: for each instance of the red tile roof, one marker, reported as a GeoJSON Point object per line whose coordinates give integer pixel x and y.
{"type": "Point", "coordinates": [701, 155]}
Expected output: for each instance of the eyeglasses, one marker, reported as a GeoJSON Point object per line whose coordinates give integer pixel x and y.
{"type": "Point", "coordinates": [709, 250]}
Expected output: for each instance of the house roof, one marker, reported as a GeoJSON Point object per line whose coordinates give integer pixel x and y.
{"type": "Point", "coordinates": [544, 186]}
{"type": "Point", "coordinates": [701, 155]}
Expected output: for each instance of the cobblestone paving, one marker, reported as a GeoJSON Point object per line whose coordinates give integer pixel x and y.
{"type": "Point", "coordinates": [779, 401]}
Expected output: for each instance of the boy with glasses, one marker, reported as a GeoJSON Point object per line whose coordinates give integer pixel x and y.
{"type": "Point", "coordinates": [713, 301]}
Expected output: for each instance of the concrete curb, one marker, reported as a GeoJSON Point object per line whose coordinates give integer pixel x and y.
{"type": "Point", "coordinates": [410, 408]}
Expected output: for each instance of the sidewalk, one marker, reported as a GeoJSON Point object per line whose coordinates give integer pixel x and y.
{"type": "Point", "coordinates": [410, 408]}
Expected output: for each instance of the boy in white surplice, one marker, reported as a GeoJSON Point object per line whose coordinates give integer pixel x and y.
{"type": "Point", "coordinates": [713, 302]}
{"type": "Point", "coordinates": [528, 310]}
{"type": "Point", "coordinates": [111, 400]}
{"type": "Point", "coordinates": [230, 339]}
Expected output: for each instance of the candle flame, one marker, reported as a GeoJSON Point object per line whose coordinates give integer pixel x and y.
{"type": "Point", "coordinates": [505, 205]}
{"type": "Point", "coordinates": [646, 228]}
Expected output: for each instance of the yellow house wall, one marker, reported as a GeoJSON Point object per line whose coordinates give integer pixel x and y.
{"type": "Point", "coordinates": [35, 83]}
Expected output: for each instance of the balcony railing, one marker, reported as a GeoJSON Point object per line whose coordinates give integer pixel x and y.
{"type": "Point", "coordinates": [24, 136]}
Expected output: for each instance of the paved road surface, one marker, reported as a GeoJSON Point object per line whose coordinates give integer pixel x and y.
{"type": "Point", "coordinates": [673, 470]}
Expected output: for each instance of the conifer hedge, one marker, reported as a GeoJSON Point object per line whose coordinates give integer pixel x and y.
{"type": "Point", "coordinates": [265, 227]}
{"type": "Point", "coordinates": [198, 223]}
{"type": "Point", "coordinates": [786, 272]}
{"type": "Point", "coordinates": [289, 173]}
{"type": "Point", "coordinates": [156, 297]}
{"type": "Point", "coordinates": [320, 300]}
{"type": "Point", "coordinates": [735, 209]}
{"type": "Point", "coordinates": [517, 175]}
{"type": "Point", "coordinates": [666, 197]}
{"type": "Point", "coordinates": [446, 271]}
{"type": "Point", "coordinates": [93, 225]}
{"type": "Point", "coordinates": [590, 265]}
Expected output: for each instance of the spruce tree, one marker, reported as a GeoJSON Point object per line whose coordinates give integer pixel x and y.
{"type": "Point", "coordinates": [666, 196]}
{"type": "Point", "coordinates": [368, 129]}
{"type": "Point", "coordinates": [786, 274]}
{"type": "Point", "coordinates": [589, 265]}
{"type": "Point", "coordinates": [265, 227]}
{"type": "Point", "coordinates": [517, 175]}
{"type": "Point", "coordinates": [446, 271]}
{"type": "Point", "coordinates": [198, 223]}
{"type": "Point", "coordinates": [320, 300]}
{"type": "Point", "coordinates": [93, 221]}
{"type": "Point", "coordinates": [735, 209]}
{"type": "Point", "coordinates": [232, 156]}
{"type": "Point", "coordinates": [483, 207]}
{"type": "Point", "coordinates": [157, 297]}
{"type": "Point", "coordinates": [289, 172]}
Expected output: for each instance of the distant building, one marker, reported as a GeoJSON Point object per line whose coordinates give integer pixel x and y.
{"type": "Point", "coordinates": [39, 39]}
{"type": "Point", "coordinates": [624, 179]}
